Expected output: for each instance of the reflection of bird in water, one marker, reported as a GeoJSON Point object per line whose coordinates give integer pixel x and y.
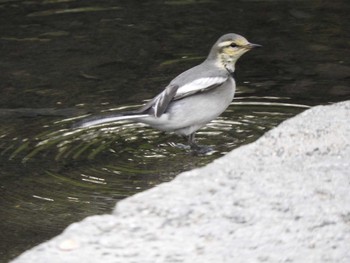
{"type": "Point", "coordinates": [192, 99]}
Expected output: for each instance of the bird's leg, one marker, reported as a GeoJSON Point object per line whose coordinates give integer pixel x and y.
{"type": "Point", "coordinates": [192, 140]}
{"type": "Point", "coordinates": [198, 149]}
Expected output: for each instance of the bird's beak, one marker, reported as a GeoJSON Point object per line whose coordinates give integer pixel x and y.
{"type": "Point", "coordinates": [251, 46]}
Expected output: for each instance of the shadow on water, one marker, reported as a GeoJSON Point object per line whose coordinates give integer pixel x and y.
{"type": "Point", "coordinates": [66, 58]}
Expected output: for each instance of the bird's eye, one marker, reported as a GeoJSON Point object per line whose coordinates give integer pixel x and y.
{"type": "Point", "coordinates": [233, 45]}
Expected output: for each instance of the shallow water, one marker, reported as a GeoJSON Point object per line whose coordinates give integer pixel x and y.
{"type": "Point", "coordinates": [62, 59]}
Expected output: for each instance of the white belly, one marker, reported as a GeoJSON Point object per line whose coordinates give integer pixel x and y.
{"type": "Point", "coordinates": [189, 114]}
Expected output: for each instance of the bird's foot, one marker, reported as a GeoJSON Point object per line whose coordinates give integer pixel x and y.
{"type": "Point", "coordinates": [194, 148]}
{"type": "Point", "coordinates": [181, 146]}
{"type": "Point", "coordinates": [201, 149]}
{"type": "Point", "coordinates": [198, 149]}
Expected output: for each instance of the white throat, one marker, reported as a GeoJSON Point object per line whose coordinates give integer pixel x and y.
{"type": "Point", "coordinates": [228, 62]}
{"type": "Point", "coordinates": [230, 66]}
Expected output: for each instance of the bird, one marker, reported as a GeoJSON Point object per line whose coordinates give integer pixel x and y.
{"type": "Point", "coordinates": [193, 98]}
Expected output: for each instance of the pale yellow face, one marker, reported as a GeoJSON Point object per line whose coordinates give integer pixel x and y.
{"type": "Point", "coordinates": [234, 48]}
{"type": "Point", "coordinates": [230, 50]}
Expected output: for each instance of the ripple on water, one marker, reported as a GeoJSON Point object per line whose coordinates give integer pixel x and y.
{"type": "Point", "coordinates": [126, 141]}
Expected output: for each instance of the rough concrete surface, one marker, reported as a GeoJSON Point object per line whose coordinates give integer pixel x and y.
{"type": "Point", "coordinates": [283, 198]}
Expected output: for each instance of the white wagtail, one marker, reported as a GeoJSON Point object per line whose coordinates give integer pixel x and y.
{"type": "Point", "coordinates": [193, 98]}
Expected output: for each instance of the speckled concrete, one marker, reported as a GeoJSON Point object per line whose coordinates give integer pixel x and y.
{"type": "Point", "coordinates": [283, 198]}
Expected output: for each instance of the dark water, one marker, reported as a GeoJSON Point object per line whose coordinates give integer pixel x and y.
{"type": "Point", "coordinates": [63, 58]}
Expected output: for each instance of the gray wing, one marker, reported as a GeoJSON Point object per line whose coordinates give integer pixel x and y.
{"type": "Point", "coordinates": [197, 79]}
{"type": "Point", "coordinates": [163, 100]}
{"type": "Point", "coordinates": [174, 92]}
{"type": "Point", "coordinates": [160, 103]}
{"type": "Point", "coordinates": [199, 85]}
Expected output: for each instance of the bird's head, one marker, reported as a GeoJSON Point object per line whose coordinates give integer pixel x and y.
{"type": "Point", "coordinates": [228, 49]}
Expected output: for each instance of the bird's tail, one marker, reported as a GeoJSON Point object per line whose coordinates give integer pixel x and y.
{"type": "Point", "coordinates": [108, 118]}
